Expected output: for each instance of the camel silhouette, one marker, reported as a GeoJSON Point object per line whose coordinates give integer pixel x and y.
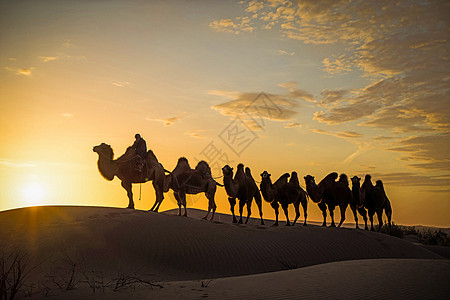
{"type": "Point", "coordinates": [358, 200]}
{"type": "Point", "coordinates": [125, 169]}
{"type": "Point", "coordinates": [244, 188]}
{"type": "Point", "coordinates": [284, 193]}
{"type": "Point", "coordinates": [331, 193]}
{"type": "Point", "coordinates": [184, 180]}
{"type": "Point", "coordinates": [376, 201]}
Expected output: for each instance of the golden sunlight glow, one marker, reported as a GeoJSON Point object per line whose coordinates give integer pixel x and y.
{"type": "Point", "coordinates": [33, 193]}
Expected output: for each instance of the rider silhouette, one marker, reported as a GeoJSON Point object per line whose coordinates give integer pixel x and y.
{"type": "Point", "coordinates": [140, 147]}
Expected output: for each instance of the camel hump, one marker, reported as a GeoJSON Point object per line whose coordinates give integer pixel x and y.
{"type": "Point", "coordinates": [203, 167]}
{"type": "Point", "coordinates": [240, 166]}
{"type": "Point", "coordinates": [329, 178]}
{"type": "Point", "coordinates": [151, 156]}
{"type": "Point", "coordinates": [248, 172]}
{"type": "Point", "coordinates": [282, 180]}
{"type": "Point", "coordinates": [344, 179]}
{"type": "Point", "coordinates": [367, 181]}
{"type": "Point", "coordinates": [294, 179]}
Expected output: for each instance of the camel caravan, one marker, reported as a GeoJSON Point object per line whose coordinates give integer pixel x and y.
{"type": "Point", "coordinates": [137, 165]}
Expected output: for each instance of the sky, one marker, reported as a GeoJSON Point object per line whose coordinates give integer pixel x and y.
{"type": "Point", "coordinates": [354, 87]}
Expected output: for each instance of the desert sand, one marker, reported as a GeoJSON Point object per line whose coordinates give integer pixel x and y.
{"type": "Point", "coordinates": [231, 261]}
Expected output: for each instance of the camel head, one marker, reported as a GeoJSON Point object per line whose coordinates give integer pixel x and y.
{"type": "Point", "coordinates": [356, 181]}
{"type": "Point", "coordinates": [104, 149]}
{"type": "Point", "coordinates": [227, 171]}
{"type": "Point", "coordinates": [309, 180]}
{"type": "Point", "coordinates": [265, 175]}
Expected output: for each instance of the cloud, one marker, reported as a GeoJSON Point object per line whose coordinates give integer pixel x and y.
{"type": "Point", "coordinates": [293, 125]}
{"type": "Point", "coordinates": [282, 52]}
{"type": "Point", "coordinates": [413, 179]}
{"type": "Point", "coordinates": [170, 121]}
{"type": "Point", "coordinates": [294, 92]}
{"type": "Point", "coordinates": [253, 108]}
{"type": "Point", "coordinates": [432, 151]}
{"type": "Point", "coordinates": [336, 66]}
{"type": "Point", "coordinates": [236, 26]}
{"type": "Point", "coordinates": [332, 97]}
{"type": "Point", "coordinates": [25, 72]}
{"type": "Point", "coordinates": [194, 134]}
{"type": "Point", "coordinates": [121, 83]}
{"type": "Point", "coordinates": [48, 58]}
{"type": "Point", "coordinates": [400, 47]}
{"type": "Point", "coordinates": [341, 134]}
{"type": "Point", "coordinates": [16, 164]}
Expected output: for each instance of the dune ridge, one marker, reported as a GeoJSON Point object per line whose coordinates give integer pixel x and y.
{"type": "Point", "coordinates": [165, 247]}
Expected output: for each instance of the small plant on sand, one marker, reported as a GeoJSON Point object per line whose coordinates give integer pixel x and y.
{"type": "Point", "coordinates": [395, 230]}
{"type": "Point", "coordinates": [13, 271]}
{"type": "Point", "coordinates": [438, 238]}
{"type": "Point", "coordinates": [207, 282]}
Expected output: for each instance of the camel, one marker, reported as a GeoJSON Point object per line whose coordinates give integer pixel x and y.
{"type": "Point", "coordinates": [184, 180]}
{"type": "Point", "coordinates": [284, 193]}
{"type": "Point", "coordinates": [125, 169]}
{"type": "Point", "coordinates": [358, 200]}
{"type": "Point", "coordinates": [331, 193]}
{"type": "Point", "coordinates": [376, 201]}
{"type": "Point", "coordinates": [244, 188]}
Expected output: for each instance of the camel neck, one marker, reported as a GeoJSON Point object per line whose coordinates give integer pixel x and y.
{"type": "Point", "coordinates": [106, 167]}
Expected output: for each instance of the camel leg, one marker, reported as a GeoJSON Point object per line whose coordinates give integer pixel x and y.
{"type": "Point", "coordinates": [380, 219]}
{"type": "Point", "coordinates": [285, 209]}
{"type": "Point", "coordinates": [127, 186]}
{"type": "Point", "coordinates": [363, 213]}
{"type": "Point", "coordinates": [297, 212]}
{"type": "Point", "coordinates": [323, 208]}
{"type": "Point", "coordinates": [177, 197]}
{"type": "Point", "coordinates": [159, 195]}
{"type": "Point", "coordinates": [305, 208]}
{"type": "Point", "coordinates": [183, 201]}
{"type": "Point", "coordinates": [241, 209]}
{"type": "Point", "coordinates": [232, 204]}
{"type": "Point", "coordinates": [275, 206]}
{"type": "Point", "coordinates": [388, 212]}
{"type": "Point", "coordinates": [259, 204]}
{"type": "Point", "coordinates": [213, 206]}
{"type": "Point", "coordinates": [355, 214]}
{"type": "Point", "coordinates": [342, 208]}
{"type": "Point", "coordinates": [331, 209]}
{"type": "Point", "coordinates": [249, 210]}
{"type": "Point", "coordinates": [371, 213]}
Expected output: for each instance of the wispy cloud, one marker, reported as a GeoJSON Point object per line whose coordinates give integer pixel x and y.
{"type": "Point", "coordinates": [341, 134]}
{"type": "Point", "coordinates": [121, 83]}
{"type": "Point", "coordinates": [16, 164]}
{"type": "Point", "coordinates": [48, 58]}
{"type": "Point", "coordinates": [21, 71]}
{"type": "Point", "coordinates": [293, 125]}
{"type": "Point", "coordinates": [171, 120]}
{"type": "Point", "coordinates": [428, 152]}
{"type": "Point", "coordinates": [195, 134]}
{"type": "Point", "coordinates": [283, 52]}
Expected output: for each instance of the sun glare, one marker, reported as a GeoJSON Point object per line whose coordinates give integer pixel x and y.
{"type": "Point", "coordinates": [33, 193]}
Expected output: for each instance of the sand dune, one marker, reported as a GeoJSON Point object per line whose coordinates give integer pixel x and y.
{"type": "Point", "coordinates": [165, 248]}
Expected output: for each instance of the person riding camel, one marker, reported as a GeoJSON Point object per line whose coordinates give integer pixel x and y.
{"type": "Point", "coordinates": [140, 147]}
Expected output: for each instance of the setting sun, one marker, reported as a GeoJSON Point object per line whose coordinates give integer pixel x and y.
{"type": "Point", "coordinates": [33, 193]}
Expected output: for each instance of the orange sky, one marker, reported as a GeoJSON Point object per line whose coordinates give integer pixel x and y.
{"type": "Point", "coordinates": [355, 87]}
